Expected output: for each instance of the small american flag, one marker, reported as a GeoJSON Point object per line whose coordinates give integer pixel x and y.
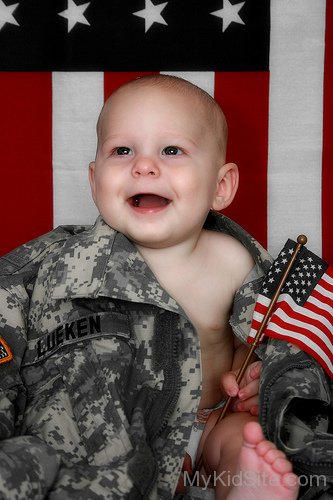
{"type": "Point", "coordinates": [303, 313]}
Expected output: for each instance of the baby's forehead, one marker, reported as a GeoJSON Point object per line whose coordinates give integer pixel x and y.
{"type": "Point", "coordinates": [137, 91]}
{"type": "Point", "coordinates": [204, 109]}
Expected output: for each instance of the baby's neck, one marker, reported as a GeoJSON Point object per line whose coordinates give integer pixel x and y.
{"type": "Point", "coordinates": [165, 258]}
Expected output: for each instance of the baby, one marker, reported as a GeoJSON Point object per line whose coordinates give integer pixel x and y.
{"type": "Point", "coordinates": [159, 170]}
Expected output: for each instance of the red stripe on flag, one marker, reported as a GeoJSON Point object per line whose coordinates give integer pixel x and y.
{"type": "Point", "coordinates": [317, 308]}
{"type": "Point", "coordinates": [309, 323]}
{"type": "Point", "coordinates": [26, 157]}
{"type": "Point", "coordinates": [260, 307]}
{"type": "Point", "coordinates": [113, 80]}
{"type": "Point", "coordinates": [326, 286]}
{"type": "Point", "coordinates": [244, 100]}
{"type": "Point", "coordinates": [327, 164]}
{"type": "Point", "coordinates": [322, 293]}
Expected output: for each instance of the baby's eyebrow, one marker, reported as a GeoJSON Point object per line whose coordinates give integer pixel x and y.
{"type": "Point", "coordinates": [112, 138]}
{"type": "Point", "coordinates": [171, 137]}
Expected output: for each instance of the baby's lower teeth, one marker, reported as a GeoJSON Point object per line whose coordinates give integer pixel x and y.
{"type": "Point", "coordinates": [136, 202]}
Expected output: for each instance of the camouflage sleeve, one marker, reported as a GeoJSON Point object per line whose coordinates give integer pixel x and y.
{"type": "Point", "coordinates": [95, 483]}
{"type": "Point", "coordinates": [244, 303]}
{"type": "Point", "coordinates": [28, 468]}
{"type": "Point", "coordinates": [296, 412]}
{"type": "Point", "coordinates": [27, 465]}
{"type": "Point", "coordinates": [12, 346]}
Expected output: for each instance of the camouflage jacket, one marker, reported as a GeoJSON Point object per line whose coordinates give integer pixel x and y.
{"type": "Point", "coordinates": [105, 380]}
{"type": "Point", "coordinates": [296, 413]}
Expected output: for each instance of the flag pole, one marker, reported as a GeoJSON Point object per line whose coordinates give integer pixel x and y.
{"type": "Point", "coordinates": [301, 240]}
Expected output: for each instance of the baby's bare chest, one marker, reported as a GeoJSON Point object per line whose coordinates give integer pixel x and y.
{"type": "Point", "coordinates": [210, 317]}
{"type": "Point", "coordinates": [217, 353]}
{"type": "Point", "coordinates": [207, 307]}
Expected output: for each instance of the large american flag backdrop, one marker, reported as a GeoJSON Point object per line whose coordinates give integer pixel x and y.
{"type": "Point", "coordinates": [268, 63]}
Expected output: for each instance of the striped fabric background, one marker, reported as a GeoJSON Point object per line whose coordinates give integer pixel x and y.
{"type": "Point", "coordinates": [280, 135]}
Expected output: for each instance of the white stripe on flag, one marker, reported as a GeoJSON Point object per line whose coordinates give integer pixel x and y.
{"type": "Point", "coordinates": [77, 100]}
{"type": "Point", "coordinates": [203, 79]}
{"type": "Point", "coordinates": [258, 316]}
{"type": "Point", "coordinates": [323, 291]}
{"type": "Point", "coordinates": [295, 121]}
{"type": "Point", "coordinates": [329, 279]}
{"type": "Point", "coordinates": [320, 304]}
{"type": "Point", "coordinates": [309, 317]}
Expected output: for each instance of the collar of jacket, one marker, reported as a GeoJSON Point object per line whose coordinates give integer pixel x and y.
{"type": "Point", "coordinates": [100, 261]}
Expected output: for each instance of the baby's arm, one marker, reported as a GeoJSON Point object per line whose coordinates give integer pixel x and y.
{"type": "Point", "coordinates": [28, 466]}
{"type": "Point", "coordinates": [31, 469]}
{"type": "Point", "coordinates": [247, 391]}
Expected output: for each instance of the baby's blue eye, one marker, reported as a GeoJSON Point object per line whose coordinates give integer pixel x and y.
{"type": "Point", "coordinates": [122, 150]}
{"type": "Point", "coordinates": [171, 151]}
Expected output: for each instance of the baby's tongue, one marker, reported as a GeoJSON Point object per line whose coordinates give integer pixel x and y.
{"type": "Point", "coordinates": [151, 200]}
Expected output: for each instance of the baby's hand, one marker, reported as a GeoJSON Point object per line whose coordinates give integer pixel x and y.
{"type": "Point", "coordinates": [247, 392]}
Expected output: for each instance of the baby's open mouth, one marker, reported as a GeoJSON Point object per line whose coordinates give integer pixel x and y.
{"type": "Point", "coordinates": [148, 200]}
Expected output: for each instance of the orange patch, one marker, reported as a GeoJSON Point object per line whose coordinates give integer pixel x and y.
{"type": "Point", "coordinates": [5, 352]}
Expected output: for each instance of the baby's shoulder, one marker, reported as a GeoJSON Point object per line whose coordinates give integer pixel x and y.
{"type": "Point", "coordinates": [226, 244]}
{"type": "Point", "coordinates": [229, 255]}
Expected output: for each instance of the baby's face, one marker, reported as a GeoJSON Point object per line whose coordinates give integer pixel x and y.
{"type": "Point", "coordinates": [156, 169]}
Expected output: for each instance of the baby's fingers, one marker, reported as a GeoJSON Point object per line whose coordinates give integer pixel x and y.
{"type": "Point", "coordinates": [229, 384]}
{"type": "Point", "coordinates": [255, 369]}
{"type": "Point", "coordinates": [252, 373]}
{"type": "Point", "coordinates": [251, 405]}
{"type": "Point", "coordinates": [251, 389]}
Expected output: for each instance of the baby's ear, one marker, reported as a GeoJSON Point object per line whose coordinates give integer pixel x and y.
{"type": "Point", "coordinates": [228, 179]}
{"type": "Point", "coordinates": [92, 178]}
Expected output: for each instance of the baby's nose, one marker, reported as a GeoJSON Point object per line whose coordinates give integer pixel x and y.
{"type": "Point", "coordinates": [145, 166]}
